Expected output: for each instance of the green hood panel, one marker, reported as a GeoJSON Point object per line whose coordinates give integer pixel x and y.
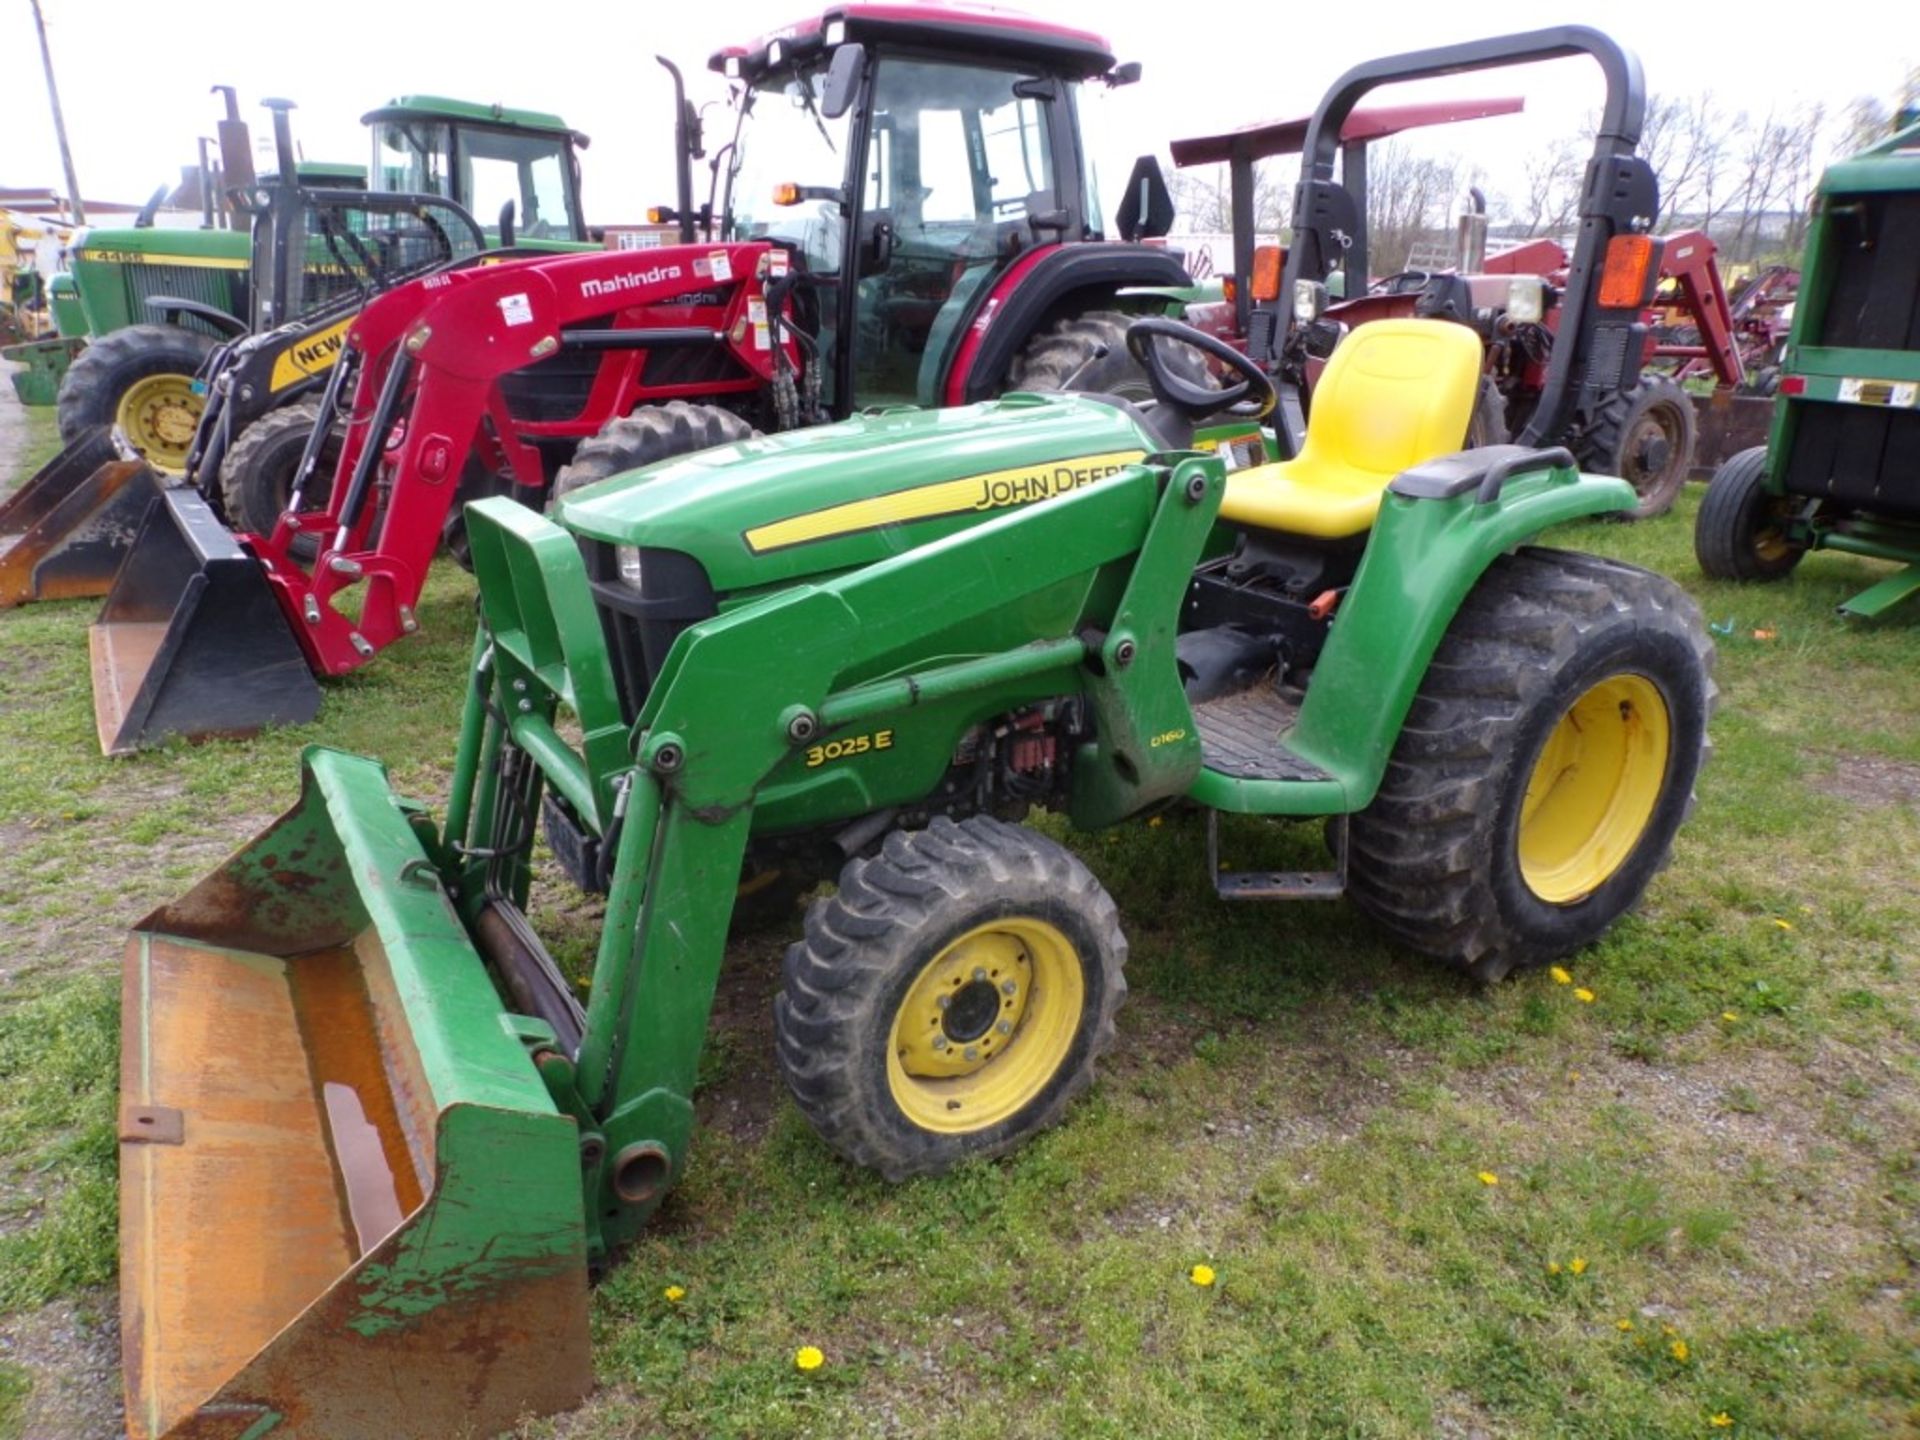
{"type": "Point", "coordinates": [158, 245]}
{"type": "Point", "coordinates": [813, 502]}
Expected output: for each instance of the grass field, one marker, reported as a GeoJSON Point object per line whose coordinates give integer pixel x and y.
{"type": "Point", "coordinates": [1707, 1208]}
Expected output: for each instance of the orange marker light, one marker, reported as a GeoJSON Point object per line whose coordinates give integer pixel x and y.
{"type": "Point", "coordinates": [1623, 277]}
{"type": "Point", "coordinates": [788, 194]}
{"type": "Point", "coordinates": [658, 214]}
{"type": "Point", "coordinates": [1267, 263]}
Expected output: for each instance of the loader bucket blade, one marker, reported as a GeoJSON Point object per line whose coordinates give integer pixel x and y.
{"type": "Point", "coordinates": [348, 1206]}
{"type": "Point", "coordinates": [64, 533]}
{"type": "Point", "coordinates": [1729, 424]}
{"type": "Point", "coordinates": [191, 640]}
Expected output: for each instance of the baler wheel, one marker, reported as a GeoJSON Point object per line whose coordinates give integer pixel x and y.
{"type": "Point", "coordinates": [1741, 532]}
{"type": "Point", "coordinates": [952, 998]}
{"type": "Point", "coordinates": [1547, 761]}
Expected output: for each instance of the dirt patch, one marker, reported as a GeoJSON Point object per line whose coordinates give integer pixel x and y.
{"type": "Point", "coordinates": [1871, 781]}
{"type": "Point", "coordinates": [72, 1351]}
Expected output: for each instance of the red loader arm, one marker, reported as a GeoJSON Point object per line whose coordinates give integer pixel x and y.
{"type": "Point", "coordinates": [428, 359]}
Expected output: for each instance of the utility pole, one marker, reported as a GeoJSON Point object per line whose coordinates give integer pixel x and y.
{"type": "Point", "coordinates": [59, 120]}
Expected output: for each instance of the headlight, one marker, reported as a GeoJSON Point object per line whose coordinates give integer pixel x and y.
{"type": "Point", "coordinates": [1309, 300]}
{"type": "Point", "coordinates": [627, 558]}
{"type": "Point", "coordinates": [1526, 299]}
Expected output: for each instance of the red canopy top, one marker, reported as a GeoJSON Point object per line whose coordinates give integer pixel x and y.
{"type": "Point", "coordinates": [1289, 137]}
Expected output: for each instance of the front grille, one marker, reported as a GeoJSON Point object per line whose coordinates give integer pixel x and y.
{"type": "Point", "coordinates": [641, 627]}
{"type": "Point", "coordinates": [222, 289]}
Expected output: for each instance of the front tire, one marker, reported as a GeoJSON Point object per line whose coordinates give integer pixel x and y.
{"type": "Point", "coordinates": [1547, 762]}
{"type": "Point", "coordinates": [1646, 436]}
{"type": "Point", "coordinates": [953, 997]}
{"type": "Point", "coordinates": [649, 434]}
{"type": "Point", "coordinates": [141, 379]}
{"type": "Point", "coordinates": [256, 476]}
{"type": "Point", "coordinates": [1741, 532]}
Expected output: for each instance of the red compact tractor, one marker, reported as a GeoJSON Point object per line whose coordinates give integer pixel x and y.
{"type": "Point", "coordinates": [902, 214]}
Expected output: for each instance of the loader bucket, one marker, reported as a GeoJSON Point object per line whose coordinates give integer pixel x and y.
{"type": "Point", "coordinates": [191, 640]}
{"type": "Point", "coordinates": [1729, 424]}
{"type": "Point", "coordinates": [64, 533]}
{"type": "Point", "coordinates": [348, 1206]}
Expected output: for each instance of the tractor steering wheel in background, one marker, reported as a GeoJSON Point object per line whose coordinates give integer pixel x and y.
{"type": "Point", "coordinates": [1253, 398]}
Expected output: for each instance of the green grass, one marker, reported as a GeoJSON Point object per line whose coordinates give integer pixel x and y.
{"type": "Point", "coordinates": [1727, 1135]}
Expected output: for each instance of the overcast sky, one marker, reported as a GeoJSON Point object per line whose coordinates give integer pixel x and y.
{"type": "Point", "coordinates": [135, 90]}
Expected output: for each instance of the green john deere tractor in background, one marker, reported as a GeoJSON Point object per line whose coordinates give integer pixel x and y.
{"type": "Point", "coordinates": [1841, 469]}
{"type": "Point", "coordinates": [872, 646]}
{"type": "Point", "coordinates": [157, 301]}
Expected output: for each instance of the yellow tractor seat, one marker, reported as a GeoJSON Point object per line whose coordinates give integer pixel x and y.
{"type": "Point", "coordinates": [1395, 394]}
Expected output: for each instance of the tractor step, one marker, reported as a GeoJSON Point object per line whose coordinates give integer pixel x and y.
{"type": "Point", "coordinates": [1240, 736]}
{"type": "Point", "coordinates": [1276, 884]}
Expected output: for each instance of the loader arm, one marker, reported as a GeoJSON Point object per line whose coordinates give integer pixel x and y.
{"type": "Point", "coordinates": [1688, 259]}
{"type": "Point", "coordinates": [738, 701]}
{"type": "Point", "coordinates": [427, 363]}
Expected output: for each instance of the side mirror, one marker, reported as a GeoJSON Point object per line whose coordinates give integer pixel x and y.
{"type": "Point", "coordinates": [1127, 74]}
{"type": "Point", "coordinates": [842, 85]}
{"type": "Point", "coordinates": [1146, 210]}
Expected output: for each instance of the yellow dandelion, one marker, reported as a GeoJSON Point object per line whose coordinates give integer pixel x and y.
{"type": "Point", "coordinates": [1729, 1017]}
{"type": "Point", "coordinates": [1201, 1275]}
{"type": "Point", "coordinates": [1155, 823]}
{"type": "Point", "coordinates": [1678, 1349]}
{"type": "Point", "coordinates": [1553, 1267]}
{"type": "Point", "coordinates": [1623, 1325]}
{"type": "Point", "coordinates": [1583, 995]}
{"type": "Point", "coordinates": [1722, 1421]}
{"type": "Point", "coordinates": [808, 1357]}
{"type": "Point", "coordinates": [1487, 1177]}
{"type": "Point", "coordinates": [1577, 1265]}
{"type": "Point", "coordinates": [675, 1293]}
{"type": "Point", "coordinates": [1783, 924]}
{"type": "Point", "coordinates": [1573, 1074]}
{"type": "Point", "coordinates": [1668, 1330]}
{"type": "Point", "coordinates": [1560, 976]}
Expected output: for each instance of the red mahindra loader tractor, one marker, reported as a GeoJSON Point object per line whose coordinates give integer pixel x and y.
{"type": "Point", "coordinates": [903, 214]}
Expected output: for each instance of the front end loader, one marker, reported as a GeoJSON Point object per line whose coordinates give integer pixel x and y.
{"type": "Point", "coordinates": [872, 648]}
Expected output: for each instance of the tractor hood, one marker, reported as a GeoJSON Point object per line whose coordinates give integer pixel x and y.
{"type": "Point", "coordinates": [811, 502]}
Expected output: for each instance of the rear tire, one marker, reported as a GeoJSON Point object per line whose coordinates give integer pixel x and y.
{"type": "Point", "coordinates": [1547, 762]}
{"type": "Point", "coordinates": [140, 379]}
{"type": "Point", "coordinates": [1741, 530]}
{"type": "Point", "coordinates": [1646, 436]}
{"type": "Point", "coordinates": [1088, 354]}
{"type": "Point", "coordinates": [649, 434]}
{"type": "Point", "coordinates": [256, 477]}
{"type": "Point", "coordinates": [890, 1021]}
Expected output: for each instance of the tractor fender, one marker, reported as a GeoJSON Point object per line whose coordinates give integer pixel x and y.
{"type": "Point", "coordinates": [1426, 553]}
{"type": "Point", "coordinates": [1052, 278]}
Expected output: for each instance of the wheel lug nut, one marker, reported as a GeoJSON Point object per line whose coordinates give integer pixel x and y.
{"type": "Point", "coordinates": [1007, 987]}
{"type": "Point", "coordinates": [945, 1001]}
{"type": "Point", "coordinates": [939, 1042]}
{"type": "Point", "coordinates": [972, 1052]}
{"type": "Point", "coordinates": [979, 972]}
{"type": "Point", "coordinates": [1004, 1028]}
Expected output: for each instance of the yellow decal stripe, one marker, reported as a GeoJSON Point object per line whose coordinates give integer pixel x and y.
{"type": "Point", "coordinates": [995, 490]}
{"type": "Point", "coordinates": [192, 262]}
{"type": "Point", "coordinates": [312, 356]}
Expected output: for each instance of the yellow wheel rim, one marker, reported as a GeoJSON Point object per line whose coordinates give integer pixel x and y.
{"type": "Point", "coordinates": [985, 1026]}
{"type": "Point", "coordinates": [158, 415]}
{"type": "Point", "coordinates": [1593, 789]}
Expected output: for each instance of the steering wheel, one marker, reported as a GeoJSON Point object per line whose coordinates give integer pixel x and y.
{"type": "Point", "coordinates": [1253, 398]}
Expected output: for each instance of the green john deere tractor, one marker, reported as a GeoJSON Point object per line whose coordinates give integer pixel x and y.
{"type": "Point", "coordinates": [373, 1141]}
{"type": "Point", "coordinates": [1841, 469]}
{"type": "Point", "coordinates": [157, 302]}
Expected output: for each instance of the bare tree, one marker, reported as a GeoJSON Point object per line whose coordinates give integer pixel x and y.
{"type": "Point", "coordinates": [1551, 197]}
{"type": "Point", "coordinates": [1203, 198]}
{"type": "Point", "coordinates": [1772, 178]}
{"type": "Point", "coordinates": [1407, 200]}
{"type": "Point", "coordinates": [1685, 139]}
